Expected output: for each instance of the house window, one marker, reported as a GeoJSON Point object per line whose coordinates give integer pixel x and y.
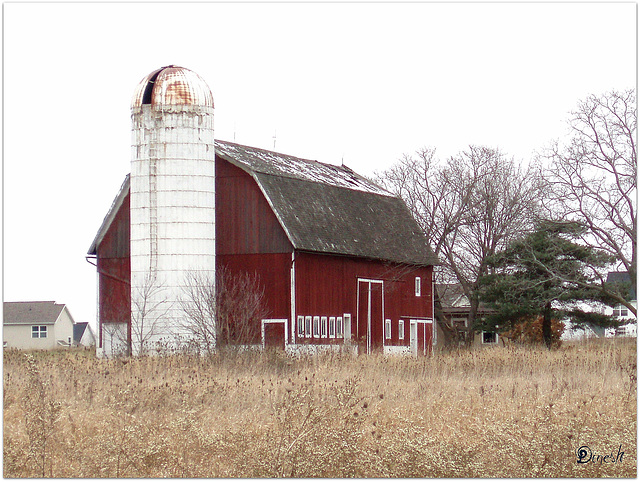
{"type": "Point", "coordinates": [418, 286]}
{"type": "Point", "coordinates": [489, 337]}
{"type": "Point", "coordinates": [39, 331]}
{"type": "Point", "coordinates": [401, 329]}
{"type": "Point", "coordinates": [620, 311]}
{"type": "Point", "coordinates": [387, 329]}
{"type": "Point", "coordinates": [300, 326]}
{"type": "Point", "coordinates": [339, 327]}
{"type": "Point", "coordinates": [307, 326]}
{"type": "Point", "coordinates": [323, 327]}
{"type": "Point", "coordinates": [332, 327]}
{"type": "Point", "coordinates": [316, 326]}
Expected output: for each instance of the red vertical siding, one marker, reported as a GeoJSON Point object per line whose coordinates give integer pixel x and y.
{"type": "Point", "coordinates": [114, 271]}
{"type": "Point", "coordinates": [249, 239]}
{"type": "Point", "coordinates": [328, 286]}
{"type": "Point", "coordinates": [245, 223]}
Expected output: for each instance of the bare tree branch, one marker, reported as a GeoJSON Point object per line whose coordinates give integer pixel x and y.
{"type": "Point", "coordinates": [592, 179]}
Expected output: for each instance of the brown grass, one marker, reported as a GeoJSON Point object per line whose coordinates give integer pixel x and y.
{"type": "Point", "coordinates": [514, 412]}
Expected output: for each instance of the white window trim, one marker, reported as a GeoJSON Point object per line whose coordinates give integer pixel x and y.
{"type": "Point", "coordinates": [300, 329]}
{"type": "Point", "coordinates": [323, 327]}
{"type": "Point", "coordinates": [307, 326]}
{"type": "Point", "coordinates": [387, 329]}
{"type": "Point", "coordinates": [418, 286]}
{"type": "Point", "coordinates": [400, 329]}
{"type": "Point", "coordinates": [40, 330]}
{"type": "Point", "coordinates": [346, 328]}
{"type": "Point", "coordinates": [316, 327]}
{"type": "Point", "coordinates": [339, 327]}
{"type": "Point", "coordinates": [332, 327]}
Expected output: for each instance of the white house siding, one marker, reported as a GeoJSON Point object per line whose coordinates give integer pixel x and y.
{"type": "Point", "coordinates": [87, 337]}
{"type": "Point", "coordinates": [631, 328]}
{"type": "Point", "coordinates": [19, 335]}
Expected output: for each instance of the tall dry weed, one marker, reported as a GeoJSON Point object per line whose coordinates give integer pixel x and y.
{"type": "Point", "coordinates": [501, 412]}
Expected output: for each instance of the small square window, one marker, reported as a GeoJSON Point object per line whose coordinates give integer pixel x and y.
{"type": "Point", "coordinates": [323, 327]}
{"type": "Point", "coordinates": [332, 327]}
{"type": "Point", "coordinates": [339, 327]}
{"type": "Point", "coordinates": [39, 331]}
{"type": "Point", "coordinates": [307, 326]}
{"type": "Point", "coordinates": [300, 326]}
{"type": "Point", "coordinates": [387, 329]}
{"type": "Point", "coordinates": [401, 329]}
{"type": "Point", "coordinates": [316, 326]}
{"type": "Point", "coordinates": [418, 286]}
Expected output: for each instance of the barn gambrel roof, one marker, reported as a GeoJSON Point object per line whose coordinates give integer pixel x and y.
{"type": "Point", "coordinates": [323, 208]}
{"type": "Point", "coordinates": [331, 209]}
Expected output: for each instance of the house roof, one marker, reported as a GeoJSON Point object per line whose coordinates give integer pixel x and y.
{"type": "Point", "coordinates": [452, 296]}
{"type": "Point", "coordinates": [31, 312]}
{"type": "Point", "coordinates": [323, 208]}
{"type": "Point", "coordinates": [622, 278]}
{"type": "Point", "coordinates": [78, 331]}
{"type": "Point", "coordinates": [453, 300]}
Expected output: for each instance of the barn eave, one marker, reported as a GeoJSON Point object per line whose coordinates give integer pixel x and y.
{"type": "Point", "coordinates": [111, 214]}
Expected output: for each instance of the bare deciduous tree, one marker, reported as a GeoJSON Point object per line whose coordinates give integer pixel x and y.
{"type": "Point", "coordinates": [149, 309]}
{"type": "Point", "coordinates": [199, 307]}
{"type": "Point", "coordinates": [591, 179]}
{"type": "Point", "coordinates": [226, 312]}
{"type": "Point", "coordinates": [469, 207]}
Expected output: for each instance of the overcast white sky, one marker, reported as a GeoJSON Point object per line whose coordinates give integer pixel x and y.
{"type": "Point", "coordinates": [363, 82]}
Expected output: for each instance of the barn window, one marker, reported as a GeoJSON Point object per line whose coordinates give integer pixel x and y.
{"type": "Point", "coordinates": [387, 329]}
{"type": "Point", "coordinates": [323, 327]}
{"type": "Point", "coordinates": [339, 327]}
{"type": "Point", "coordinates": [401, 329]}
{"type": "Point", "coordinates": [307, 326]}
{"type": "Point", "coordinates": [418, 286]}
{"type": "Point", "coordinates": [39, 331]}
{"type": "Point", "coordinates": [300, 326]}
{"type": "Point", "coordinates": [346, 329]}
{"type": "Point", "coordinates": [332, 327]}
{"type": "Point", "coordinates": [316, 326]}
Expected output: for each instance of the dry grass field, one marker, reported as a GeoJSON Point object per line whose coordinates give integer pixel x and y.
{"type": "Point", "coordinates": [500, 412]}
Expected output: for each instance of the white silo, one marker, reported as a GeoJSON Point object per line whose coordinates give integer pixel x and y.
{"type": "Point", "coordinates": [172, 200]}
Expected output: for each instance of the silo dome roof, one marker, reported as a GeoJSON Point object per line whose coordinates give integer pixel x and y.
{"type": "Point", "coordinates": [172, 85]}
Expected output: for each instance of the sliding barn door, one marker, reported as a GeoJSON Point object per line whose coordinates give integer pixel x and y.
{"type": "Point", "coordinates": [370, 323]}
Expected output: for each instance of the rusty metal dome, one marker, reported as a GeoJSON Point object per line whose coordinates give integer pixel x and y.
{"type": "Point", "coordinates": [172, 85]}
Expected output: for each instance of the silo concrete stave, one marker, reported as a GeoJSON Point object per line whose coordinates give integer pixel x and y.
{"type": "Point", "coordinates": [172, 201]}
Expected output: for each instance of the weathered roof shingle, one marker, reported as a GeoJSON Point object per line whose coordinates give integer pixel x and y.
{"type": "Point", "coordinates": [31, 312]}
{"type": "Point", "coordinates": [331, 209]}
{"type": "Point", "coordinates": [323, 208]}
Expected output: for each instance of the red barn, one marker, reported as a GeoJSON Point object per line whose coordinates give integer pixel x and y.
{"type": "Point", "coordinates": [341, 261]}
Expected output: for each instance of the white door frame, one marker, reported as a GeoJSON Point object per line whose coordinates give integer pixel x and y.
{"type": "Point", "coordinates": [414, 323]}
{"type": "Point", "coordinates": [413, 337]}
{"type": "Point", "coordinates": [370, 282]}
{"type": "Point", "coordinates": [276, 320]}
